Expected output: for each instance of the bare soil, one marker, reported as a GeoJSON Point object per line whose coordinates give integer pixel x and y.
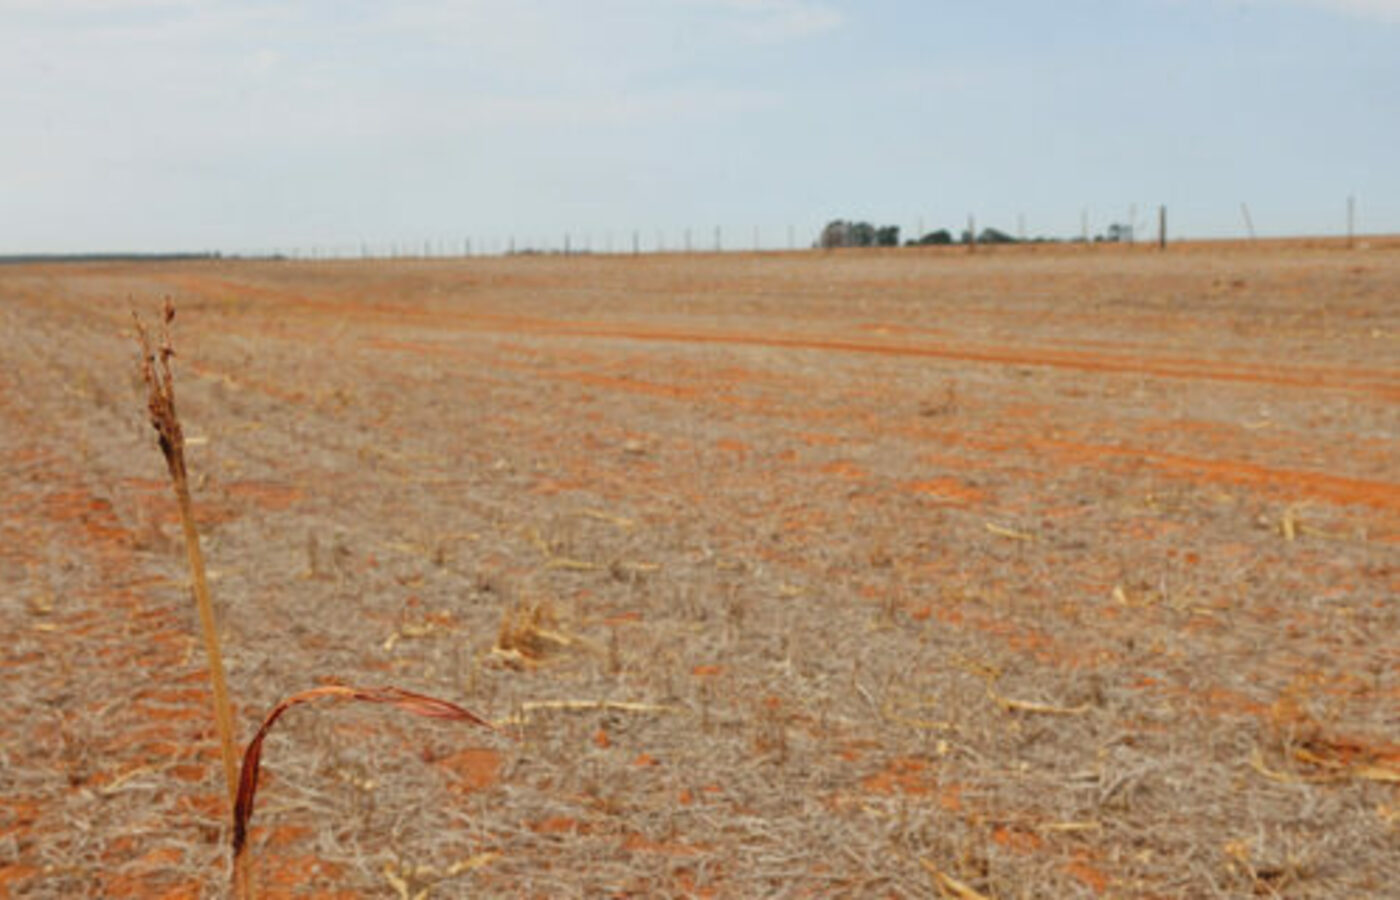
{"type": "Point", "coordinates": [1044, 572]}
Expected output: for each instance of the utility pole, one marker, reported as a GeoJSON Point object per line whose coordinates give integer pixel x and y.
{"type": "Point", "coordinates": [1248, 220]}
{"type": "Point", "coordinates": [1162, 227]}
{"type": "Point", "coordinates": [1351, 221]}
{"type": "Point", "coordinates": [971, 234]}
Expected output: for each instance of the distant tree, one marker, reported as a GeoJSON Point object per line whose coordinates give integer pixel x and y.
{"type": "Point", "coordinates": [862, 234]}
{"type": "Point", "coordinates": [994, 236]}
{"type": "Point", "coordinates": [932, 239]}
{"type": "Point", "coordinates": [1119, 233]}
{"type": "Point", "coordinates": [837, 233]}
{"type": "Point", "coordinates": [843, 233]}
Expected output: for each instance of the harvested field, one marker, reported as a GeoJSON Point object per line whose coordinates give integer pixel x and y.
{"type": "Point", "coordinates": [1043, 572]}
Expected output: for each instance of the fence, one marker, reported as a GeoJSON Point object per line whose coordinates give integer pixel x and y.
{"type": "Point", "coordinates": [754, 238]}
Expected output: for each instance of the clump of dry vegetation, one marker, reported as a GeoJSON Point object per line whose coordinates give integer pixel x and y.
{"type": "Point", "coordinates": [531, 634]}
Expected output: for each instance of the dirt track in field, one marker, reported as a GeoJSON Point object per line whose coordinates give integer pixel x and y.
{"type": "Point", "coordinates": [1054, 571]}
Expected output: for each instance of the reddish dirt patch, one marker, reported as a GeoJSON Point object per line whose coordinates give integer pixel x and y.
{"type": "Point", "coordinates": [265, 494]}
{"type": "Point", "coordinates": [636, 843]}
{"type": "Point", "coordinates": [1016, 839]}
{"type": "Point", "coordinates": [903, 775]}
{"type": "Point", "coordinates": [946, 490]}
{"type": "Point", "coordinates": [473, 769]}
{"type": "Point", "coordinates": [1088, 874]}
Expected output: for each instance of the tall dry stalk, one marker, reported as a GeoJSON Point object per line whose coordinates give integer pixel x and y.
{"type": "Point", "coordinates": [160, 387]}
{"type": "Point", "coordinates": [242, 786]}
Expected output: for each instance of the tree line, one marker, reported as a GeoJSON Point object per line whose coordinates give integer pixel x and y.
{"type": "Point", "coordinates": [847, 233]}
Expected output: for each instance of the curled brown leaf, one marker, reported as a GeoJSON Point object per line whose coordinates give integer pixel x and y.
{"type": "Point", "coordinates": [418, 704]}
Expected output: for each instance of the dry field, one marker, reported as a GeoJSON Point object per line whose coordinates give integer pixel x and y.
{"type": "Point", "coordinates": [1045, 572]}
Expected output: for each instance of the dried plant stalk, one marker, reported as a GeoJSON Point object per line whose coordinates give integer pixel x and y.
{"type": "Point", "coordinates": [160, 387]}
{"type": "Point", "coordinates": [242, 786]}
{"type": "Point", "coordinates": [418, 704]}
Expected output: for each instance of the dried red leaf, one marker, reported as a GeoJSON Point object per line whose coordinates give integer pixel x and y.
{"type": "Point", "coordinates": [418, 704]}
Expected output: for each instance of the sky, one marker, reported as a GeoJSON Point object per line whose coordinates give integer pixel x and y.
{"type": "Point", "coordinates": [336, 126]}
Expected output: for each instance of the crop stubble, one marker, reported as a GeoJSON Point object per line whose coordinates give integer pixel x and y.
{"type": "Point", "coordinates": [1039, 572]}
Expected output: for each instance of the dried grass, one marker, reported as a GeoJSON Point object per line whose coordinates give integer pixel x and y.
{"type": "Point", "coordinates": [879, 749]}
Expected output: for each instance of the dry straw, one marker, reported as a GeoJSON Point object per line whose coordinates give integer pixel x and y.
{"type": "Point", "coordinates": [242, 786]}
{"type": "Point", "coordinates": [160, 401]}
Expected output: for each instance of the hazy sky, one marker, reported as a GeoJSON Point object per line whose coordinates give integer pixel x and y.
{"type": "Point", "coordinates": [212, 124]}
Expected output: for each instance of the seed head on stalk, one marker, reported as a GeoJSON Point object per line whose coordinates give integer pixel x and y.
{"type": "Point", "coordinates": [160, 387]}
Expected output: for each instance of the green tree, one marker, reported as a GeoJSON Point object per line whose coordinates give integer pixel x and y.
{"type": "Point", "coordinates": [935, 238]}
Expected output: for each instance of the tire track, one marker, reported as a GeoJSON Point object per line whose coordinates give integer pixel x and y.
{"type": "Point", "coordinates": [1384, 383]}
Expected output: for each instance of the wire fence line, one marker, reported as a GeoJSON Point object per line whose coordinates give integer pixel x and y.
{"type": "Point", "coordinates": [1133, 224]}
{"type": "Point", "coordinates": [713, 239]}
{"type": "Point", "coordinates": [636, 241]}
